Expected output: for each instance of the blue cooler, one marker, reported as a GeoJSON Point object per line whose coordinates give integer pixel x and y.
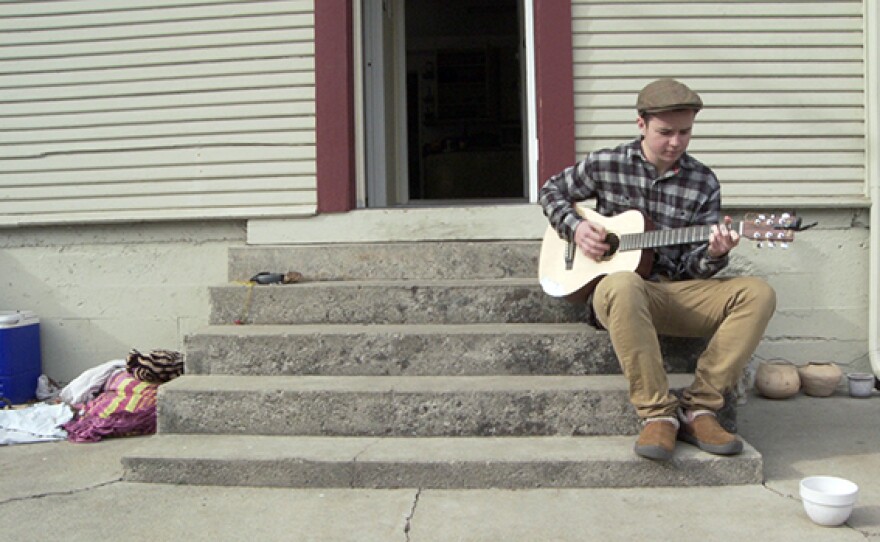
{"type": "Point", "coordinates": [20, 361]}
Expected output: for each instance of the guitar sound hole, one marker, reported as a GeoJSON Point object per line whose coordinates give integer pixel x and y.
{"type": "Point", "coordinates": [614, 241]}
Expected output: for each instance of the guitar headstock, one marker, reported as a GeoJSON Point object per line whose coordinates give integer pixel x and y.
{"type": "Point", "coordinates": [768, 229]}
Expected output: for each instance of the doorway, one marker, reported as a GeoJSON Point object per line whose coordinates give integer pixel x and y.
{"type": "Point", "coordinates": [444, 103]}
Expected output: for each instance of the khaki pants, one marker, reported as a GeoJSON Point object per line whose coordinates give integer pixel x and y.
{"type": "Point", "coordinates": [732, 311]}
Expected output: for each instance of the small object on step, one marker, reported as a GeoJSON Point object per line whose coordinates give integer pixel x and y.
{"type": "Point", "coordinates": [292, 276]}
{"type": "Point", "coordinates": [266, 277]}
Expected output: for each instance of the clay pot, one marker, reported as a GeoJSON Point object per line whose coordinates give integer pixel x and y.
{"type": "Point", "coordinates": [820, 378]}
{"type": "Point", "coordinates": [777, 379]}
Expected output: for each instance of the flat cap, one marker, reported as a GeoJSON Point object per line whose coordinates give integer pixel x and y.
{"type": "Point", "coordinates": [667, 95]}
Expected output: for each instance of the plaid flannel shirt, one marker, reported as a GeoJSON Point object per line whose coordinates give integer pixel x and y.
{"type": "Point", "coordinates": [621, 179]}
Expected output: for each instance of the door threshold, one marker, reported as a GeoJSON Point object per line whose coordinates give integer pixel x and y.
{"type": "Point", "coordinates": [522, 221]}
{"type": "Point", "coordinates": [421, 203]}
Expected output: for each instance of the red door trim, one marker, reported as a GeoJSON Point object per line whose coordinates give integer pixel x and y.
{"type": "Point", "coordinates": [554, 81]}
{"type": "Point", "coordinates": [334, 106]}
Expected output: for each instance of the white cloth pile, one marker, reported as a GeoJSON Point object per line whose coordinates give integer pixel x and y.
{"type": "Point", "coordinates": [89, 384]}
{"type": "Point", "coordinates": [42, 422]}
{"type": "Point", "coordinates": [38, 423]}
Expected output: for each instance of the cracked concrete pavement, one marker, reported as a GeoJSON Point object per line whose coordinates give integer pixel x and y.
{"type": "Point", "coordinates": [75, 492]}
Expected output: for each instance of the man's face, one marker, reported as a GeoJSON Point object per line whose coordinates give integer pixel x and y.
{"type": "Point", "coordinates": [666, 136]}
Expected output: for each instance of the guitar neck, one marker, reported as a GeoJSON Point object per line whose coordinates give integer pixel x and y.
{"type": "Point", "coordinates": [674, 236]}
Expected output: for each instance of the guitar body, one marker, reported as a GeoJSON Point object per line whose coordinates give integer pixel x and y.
{"type": "Point", "coordinates": [564, 271]}
{"type": "Point", "coordinates": [575, 284]}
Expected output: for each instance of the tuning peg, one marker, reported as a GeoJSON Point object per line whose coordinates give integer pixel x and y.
{"type": "Point", "coordinates": [783, 245]}
{"type": "Point", "coordinates": [770, 244]}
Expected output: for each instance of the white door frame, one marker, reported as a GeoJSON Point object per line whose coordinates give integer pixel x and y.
{"type": "Point", "coordinates": [372, 60]}
{"type": "Point", "coordinates": [401, 164]}
{"type": "Point", "coordinates": [872, 168]}
{"type": "Point", "coordinates": [357, 52]}
{"type": "Point", "coordinates": [530, 119]}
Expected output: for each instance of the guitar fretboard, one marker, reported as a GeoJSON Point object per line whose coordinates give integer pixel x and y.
{"type": "Point", "coordinates": [675, 236]}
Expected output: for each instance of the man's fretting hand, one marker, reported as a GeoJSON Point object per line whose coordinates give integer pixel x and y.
{"type": "Point", "coordinates": [590, 238]}
{"type": "Point", "coordinates": [722, 239]}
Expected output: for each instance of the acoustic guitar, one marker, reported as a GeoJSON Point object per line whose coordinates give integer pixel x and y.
{"type": "Point", "coordinates": [564, 271]}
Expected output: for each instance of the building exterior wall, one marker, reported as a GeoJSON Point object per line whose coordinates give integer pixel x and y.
{"type": "Point", "coordinates": [101, 290]}
{"type": "Point", "coordinates": [783, 85]}
{"type": "Point", "coordinates": [156, 110]}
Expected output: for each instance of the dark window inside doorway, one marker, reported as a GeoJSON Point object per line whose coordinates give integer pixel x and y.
{"type": "Point", "coordinates": [464, 99]}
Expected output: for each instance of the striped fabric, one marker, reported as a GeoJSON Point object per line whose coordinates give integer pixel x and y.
{"type": "Point", "coordinates": [124, 393]}
{"type": "Point", "coordinates": [126, 407]}
{"type": "Point", "coordinates": [157, 367]}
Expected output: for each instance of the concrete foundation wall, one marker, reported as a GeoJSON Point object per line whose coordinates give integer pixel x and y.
{"type": "Point", "coordinates": [102, 290]}
{"type": "Point", "coordinates": [821, 283]}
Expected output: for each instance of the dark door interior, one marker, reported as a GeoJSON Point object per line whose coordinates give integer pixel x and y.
{"type": "Point", "coordinates": [464, 100]}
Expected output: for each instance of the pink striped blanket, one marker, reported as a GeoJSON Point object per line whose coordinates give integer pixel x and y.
{"type": "Point", "coordinates": [126, 407]}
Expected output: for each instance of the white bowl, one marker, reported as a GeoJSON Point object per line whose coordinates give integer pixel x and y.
{"type": "Point", "coordinates": [861, 384]}
{"type": "Point", "coordinates": [828, 500]}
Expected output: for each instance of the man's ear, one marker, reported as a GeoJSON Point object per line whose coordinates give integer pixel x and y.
{"type": "Point", "coordinates": [642, 124]}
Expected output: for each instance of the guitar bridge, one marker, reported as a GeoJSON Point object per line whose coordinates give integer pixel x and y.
{"type": "Point", "coordinates": [570, 249]}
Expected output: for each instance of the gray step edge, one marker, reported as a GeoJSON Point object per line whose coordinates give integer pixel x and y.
{"type": "Point", "coordinates": [453, 463]}
{"type": "Point", "coordinates": [410, 406]}
{"type": "Point", "coordinates": [394, 260]}
{"type": "Point", "coordinates": [403, 384]}
{"type": "Point", "coordinates": [416, 349]}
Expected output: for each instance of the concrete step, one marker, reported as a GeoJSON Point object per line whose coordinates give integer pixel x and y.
{"type": "Point", "coordinates": [391, 302]}
{"type": "Point", "coordinates": [415, 350]}
{"type": "Point", "coordinates": [405, 261]}
{"type": "Point", "coordinates": [423, 406]}
{"type": "Point", "coordinates": [431, 463]}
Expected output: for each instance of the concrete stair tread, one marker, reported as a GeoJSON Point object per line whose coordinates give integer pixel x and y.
{"type": "Point", "coordinates": [404, 349]}
{"type": "Point", "coordinates": [439, 462]}
{"type": "Point", "coordinates": [514, 328]}
{"type": "Point", "coordinates": [404, 259]}
{"type": "Point", "coordinates": [405, 406]}
{"type": "Point", "coordinates": [405, 384]}
{"type": "Point", "coordinates": [416, 349]}
{"type": "Point", "coordinates": [391, 283]}
{"type": "Point", "coordinates": [391, 302]}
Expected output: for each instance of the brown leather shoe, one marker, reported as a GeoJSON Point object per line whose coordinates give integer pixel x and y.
{"type": "Point", "coordinates": [657, 439]}
{"type": "Point", "coordinates": [702, 429]}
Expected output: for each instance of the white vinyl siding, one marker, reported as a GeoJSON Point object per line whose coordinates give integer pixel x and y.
{"type": "Point", "coordinates": [783, 85]}
{"type": "Point", "coordinates": [156, 110]}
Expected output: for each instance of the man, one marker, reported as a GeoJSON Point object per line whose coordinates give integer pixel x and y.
{"type": "Point", "coordinates": [655, 175]}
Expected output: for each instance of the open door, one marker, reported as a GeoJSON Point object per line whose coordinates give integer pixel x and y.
{"type": "Point", "coordinates": [444, 102]}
